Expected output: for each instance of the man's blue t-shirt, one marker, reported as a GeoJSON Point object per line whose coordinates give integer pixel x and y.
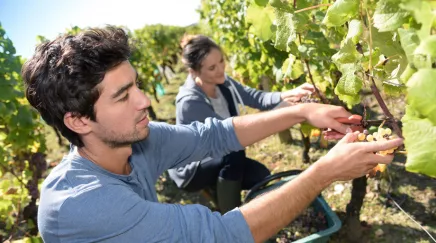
{"type": "Point", "coordinates": [82, 202]}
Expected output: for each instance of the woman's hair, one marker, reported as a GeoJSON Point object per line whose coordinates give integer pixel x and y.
{"type": "Point", "coordinates": [63, 74]}
{"type": "Point", "coordinates": [195, 49]}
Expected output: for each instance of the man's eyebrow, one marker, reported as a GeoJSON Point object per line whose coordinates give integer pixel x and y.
{"type": "Point", "coordinates": [122, 90]}
{"type": "Point", "coordinates": [125, 87]}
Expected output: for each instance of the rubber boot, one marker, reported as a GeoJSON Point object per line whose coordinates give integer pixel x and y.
{"type": "Point", "coordinates": [228, 194]}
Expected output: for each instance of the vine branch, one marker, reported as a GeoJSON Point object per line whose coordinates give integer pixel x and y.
{"type": "Point", "coordinates": [374, 88]}
{"type": "Point", "coordinates": [312, 7]}
{"type": "Point", "coordinates": [384, 108]}
{"type": "Point", "coordinates": [324, 101]}
{"type": "Point", "coordinates": [306, 62]}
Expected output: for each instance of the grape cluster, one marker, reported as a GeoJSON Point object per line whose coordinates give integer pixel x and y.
{"type": "Point", "coordinates": [309, 222]}
{"type": "Point", "coordinates": [309, 99]}
{"type": "Point", "coordinates": [382, 134]}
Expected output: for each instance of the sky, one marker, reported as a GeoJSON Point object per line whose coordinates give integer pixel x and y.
{"type": "Point", "coordinates": [23, 20]}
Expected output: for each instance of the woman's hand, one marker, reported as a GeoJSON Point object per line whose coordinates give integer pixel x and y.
{"type": "Point", "coordinates": [295, 95]}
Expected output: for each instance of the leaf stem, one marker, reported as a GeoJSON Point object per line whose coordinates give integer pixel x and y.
{"type": "Point", "coordinates": [313, 83]}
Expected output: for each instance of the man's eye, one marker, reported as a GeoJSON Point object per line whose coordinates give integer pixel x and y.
{"type": "Point", "coordinates": [212, 68]}
{"type": "Point", "coordinates": [124, 98]}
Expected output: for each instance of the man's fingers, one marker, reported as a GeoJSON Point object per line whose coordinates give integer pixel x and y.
{"type": "Point", "coordinates": [382, 145]}
{"type": "Point", "coordinates": [381, 159]}
{"type": "Point", "coordinates": [348, 138]}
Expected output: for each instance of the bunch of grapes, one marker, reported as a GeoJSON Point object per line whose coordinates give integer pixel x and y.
{"type": "Point", "coordinates": [309, 99]}
{"type": "Point", "coordinates": [309, 222]}
{"type": "Point", "coordinates": [382, 134]}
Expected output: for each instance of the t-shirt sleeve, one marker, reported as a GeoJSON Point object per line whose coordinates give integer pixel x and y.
{"type": "Point", "coordinates": [117, 214]}
{"type": "Point", "coordinates": [177, 145]}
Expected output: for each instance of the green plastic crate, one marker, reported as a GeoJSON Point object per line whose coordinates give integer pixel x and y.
{"type": "Point", "coordinates": [319, 204]}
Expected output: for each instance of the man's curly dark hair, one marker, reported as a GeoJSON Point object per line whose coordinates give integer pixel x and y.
{"type": "Point", "coordinates": [63, 75]}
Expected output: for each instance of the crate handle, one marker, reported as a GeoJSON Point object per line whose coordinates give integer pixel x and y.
{"type": "Point", "coordinates": [268, 179]}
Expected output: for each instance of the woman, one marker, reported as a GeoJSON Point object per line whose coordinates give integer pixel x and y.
{"type": "Point", "coordinates": [209, 92]}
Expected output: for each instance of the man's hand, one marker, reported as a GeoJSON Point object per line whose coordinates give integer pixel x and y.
{"type": "Point", "coordinates": [350, 159]}
{"type": "Point", "coordinates": [295, 95]}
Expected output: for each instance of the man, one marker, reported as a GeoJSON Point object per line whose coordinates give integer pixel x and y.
{"type": "Point", "coordinates": [103, 190]}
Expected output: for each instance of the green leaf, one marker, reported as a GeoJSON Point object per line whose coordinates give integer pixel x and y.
{"type": "Point", "coordinates": [421, 93]}
{"type": "Point", "coordinates": [388, 15]}
{"type": "Point", "coordinates": [347, 54]}
{"type": "Point", "coordinates": [409, 41]}
{"type": "Point", "coordinates": [420, 138]}
{"type": "Point", "coordinates": [286, 32]}
{"type": "Point", "coordinates": [422, 11]}
{"type": "Point", "coordinates": [292, 68]}
{"type": "Point", "coordinates": [425, 53]}
{"type": "Point", "coordinates": [394, 88]}
{"type": "Point", "coordinates": [405, 76]}
{"type": "Point", "coordinates": [340, 12]}
{"type": "Point", "coordinates": [355, 29]}
{"type": "Point", "coordinates": [6, 91]}
{"type": "Point", "coordinates": [388, 43]}
{"type": "Point", "coordinates": [261, 18]}
{"type": "Point", "coordinates": [261, 3]}
{"type": "Point", "coordinates": [349, 83]}
{"type": "Point", "coordinates": [283, 5]}
{"type": "Point", "coordinates": [350, 100]}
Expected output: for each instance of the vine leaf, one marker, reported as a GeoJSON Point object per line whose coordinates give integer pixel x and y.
{"type": "Point", "coordinates": [261, 18]}
{"type": "Point", "coordinates": [409, 41]}
{"type": "Point", "coordinates": [388, 15]}
{"type": "Point", "coordinates": [420, 137]}
{"type": "Point", "coordinates": [340, 12]}
{"type": "Point", "coordinates": [421, 93]}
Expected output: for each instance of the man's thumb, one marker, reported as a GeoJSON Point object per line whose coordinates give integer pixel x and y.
{"type": "Point", "coordinates": [348, 138]}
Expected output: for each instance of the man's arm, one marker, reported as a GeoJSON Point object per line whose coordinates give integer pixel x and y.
{"type": "Point", "coordinates": [269, 213]}
{"type": "Point", "coordinates": [115, 213]}
{"type": "Point", "coordinates": [254, 127]}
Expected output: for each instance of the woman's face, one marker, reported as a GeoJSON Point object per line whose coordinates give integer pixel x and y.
{"type": "Point", "coordinates": [212, 68]}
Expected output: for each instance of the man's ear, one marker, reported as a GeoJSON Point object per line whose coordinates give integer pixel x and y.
{"type": "Point", "coordinates": [77, 124]}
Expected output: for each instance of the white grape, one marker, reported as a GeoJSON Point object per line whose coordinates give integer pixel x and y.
{"type": "Point", "coordinates": [361, 137]}
{"type": "Point", "coordinates": [388, 131]}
